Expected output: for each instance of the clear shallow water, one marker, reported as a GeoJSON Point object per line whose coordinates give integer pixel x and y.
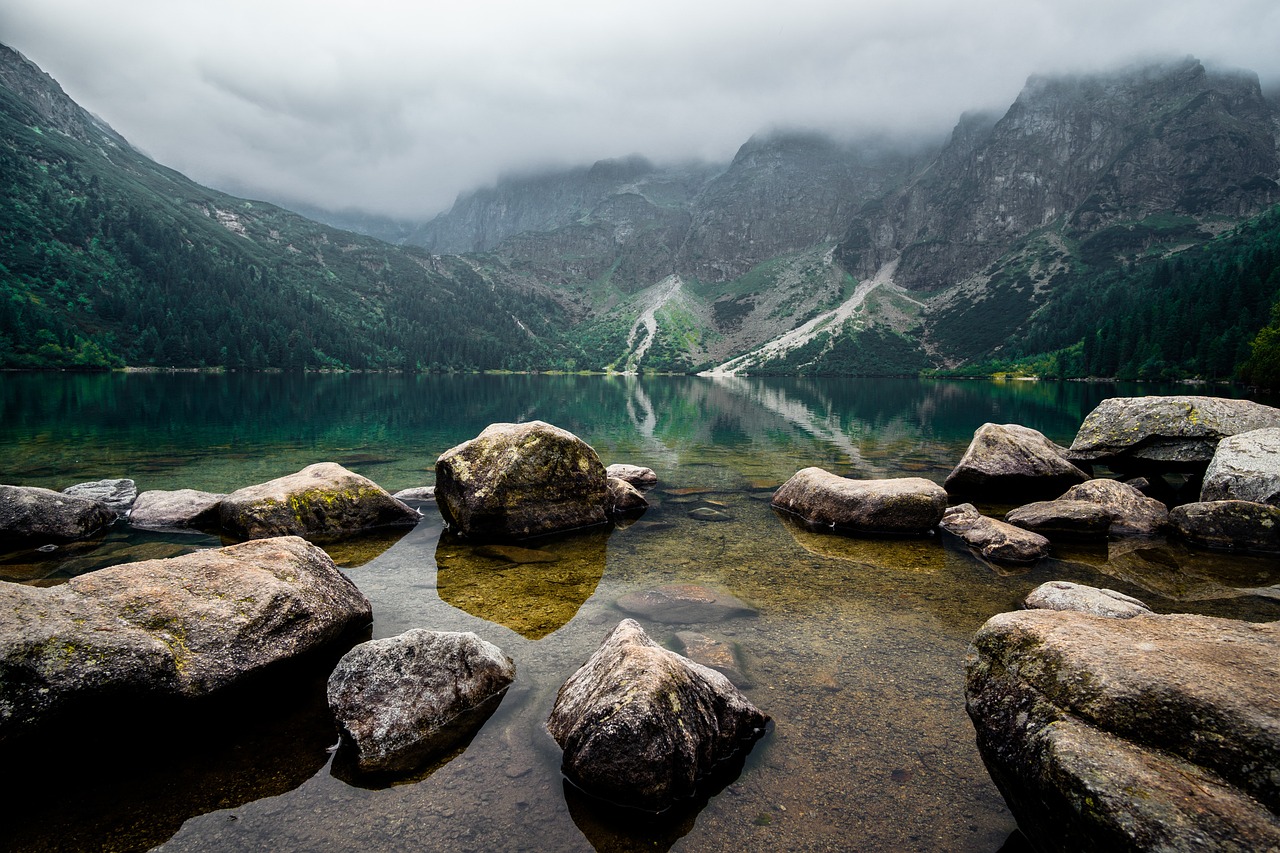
{"type": "Point", "coordinates": [856, 651]}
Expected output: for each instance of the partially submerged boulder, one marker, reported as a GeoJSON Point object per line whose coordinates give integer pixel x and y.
{"type": "Point", "coordinates": [1246, 467]}
{"type": "Point", "coordinates": [907, 505]}
{"type": "Point", "coordinates": [322, 501]}
{"type": "Point", "coordinates": [1229, 525]}
{"type": "Point", "coordinates": [1004, 459]}
{"type": "Point", "coordinates": [683, 603]}
{"type": "Point", "coordinates": [514, 481]}
{"type": "Point", "coordinates": [1131, 511]}
{"type": "Point", "coordinates": [624, 498]}
{"type": "Point", "coordinates": [30, 514]}
{"type": "Point", "coordinates": [641, 725]}
{"type": "Point", "coordinates": [400, 700]}
{"type": "Point", "coordinates": [1062, 519]}
{"type": "Point", "coordinates": [995, 540]}
{"type": "Point", "coordinates": [642, 478]}
{"type": "Point", "coordinates": [1064, 595]}
{"type": "Point", "coordinates": [175, 510]}
{"type": "Point", "coordinates": [185, 626]}
{"type": "Point", "coordinates": [1165, 433]}
{"type": "Point", "coordinates": [117, 494]}
{"type": "Point", "coordinates": [1150, 733]}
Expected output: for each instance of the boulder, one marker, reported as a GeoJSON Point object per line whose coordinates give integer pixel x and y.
{"type": "Point", "coordinates": [642, 478]}
{"type": "Point", "coordinates": [30, 514]}
{"type": "Point", "coordinates": [706, 513]}
{"type": "Point", "coordinates": [1165, 433]}
{"type": "Point", "coordinates": [641, 725]}
{"type": "Point", "coordinates": [1062, 519]}
{"type": "Point", "coordinates": [995, 540]}
{"type": "Point", "coordinates": [1150, 733]}
{"type": "Point", "coordinates": [1004, 459]}
{"type": "Point", "coordinates": [625, 498]}
{"type": "Point", "coordinates": [514, 481]}
{"type": "Point", "coordinates": [714, 653]}
{"type": "Point", "coordinates": [908, 505]}
{"type": "Point", "coordinates": [420, 494]}
{"type": "Point", "coordinates": [323, 501]}
{"type": "Point", "coordinates": [1131, 511]}
{"type": "Point", "coordinates": [1064, 595]}
{"type": "Point", "coordinates": [1246, 467]}
{"type": "Point", "coordinates": [683, 604]}
{"type": "Point", "coordinates": [185, 626]}
{"type": "Point", "coordinates": [400, 700]}
{"type": "Point", "coordinates": [1229, 525]}
{"type": "Point", "coordinates": [178, 509]}
{"type": "Point", "coordinates": [117, 494]}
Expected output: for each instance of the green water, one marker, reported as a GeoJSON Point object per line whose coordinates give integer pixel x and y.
{"type": "Point", "coordinates": [856, 650]}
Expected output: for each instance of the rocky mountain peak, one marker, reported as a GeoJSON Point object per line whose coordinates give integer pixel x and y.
{"type": "Point", "coordinates": [53, 107]}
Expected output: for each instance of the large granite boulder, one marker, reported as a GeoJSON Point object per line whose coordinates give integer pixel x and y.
{"type": "Point", "coordinates": [1130, 510]}
{"type": "Point", "coordinates": [995, 540]}
{"type": "Point", "coordinates": [117, 494]}
{"type": "Point", "coordinates": [642, 478]}
{"type": "Point", "coordinates": [184, 626]}
{"type": "Point", "coordinates": [30, 514]}
{"type": "Point", "coordinates": [323, 501]}
{"type": "Point", "coordinates": [1165, 433]}
{"type": "Point", "coordinates": [515, 481]}
{"type": "Point", "coordinates": [175, 510]}
{"type": "Point", "coordinates": [1062, 519]}
{"type": "Point", "coordinates": [1229, 525]}
{"type": "Point", "coordinates": [1064, 595]}
{"type": "Point", "coordinates": [1150, 733]}
{"type": "Point", "coordinates": [1008, 459]}
{"type": "Point", "coordinates": [641, 725]}
{"type": "Point", "coordinates": [1246, 467]}
{"type": "Point", "coordinates": [907, 505]}
{"type": "Point", "coordinates": [400, 700]}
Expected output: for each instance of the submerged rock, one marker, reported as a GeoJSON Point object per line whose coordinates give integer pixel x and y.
{"type": "Point", "coordinates": [1064, 595]}
{"type": "Point", "coordinates": [183, 508]}
{"type": "Point", "coordinates": [908, 505]}
{"type": "Point", "coordinates": [28, 513]}
{"type": "Point", "coordinates": [185, 626]}
{"type": "Point", "coordinates": [714, 653]}
{"type": "Point", "coordinates": [641, 725]}
{"type": "Point", "coordinates": [514, 481]}
{"type": "Point", "coordinates": [119, 495]}
{"type": "Point", "coordinates": [1004, 459]}
{"type": "Point", "coordinates": [1246, 467]}
{"type": "Point", "coordinates": [1062, 519]}
{"type": "Point", "coordinates": [683, 603]}
{"type": "Point", "coordinates": [1150, 733]}
{"type": "Point", "coordinates": [322, 501]}
{"type": "Point", "coordinates": [400, 700]}
{"type": "Point", "coordinates": [706, 513]}
{"type": "Point", "coordinates": [994, 539]}
{"type": "Point", "coordinates": [1229, 525]}
{"type": "Point", "coordinates": [1165, 432]}
{"type": "Point", "coordinates": [1131, 511]}
{"type": "Point", "coordinates": [642, 478]}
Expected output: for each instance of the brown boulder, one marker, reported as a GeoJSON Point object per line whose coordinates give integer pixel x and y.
{"type": "Point", "coordinates": [995, 540]}
{"type": "Point", "coordinates": [1004, 459]}
{"type": "Point", "coordinates": [907, 505]}
{"type": "Point", "coordinates": [1131, 511]}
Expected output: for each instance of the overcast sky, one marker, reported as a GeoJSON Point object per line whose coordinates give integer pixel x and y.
{"type": "Point", "coordinates": [395, 107]}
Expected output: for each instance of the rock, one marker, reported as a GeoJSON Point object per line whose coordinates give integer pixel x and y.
{"type": "Point", "coordinates": [1229, 525]}
{"type": "Point", "coordinates": [514, 481]}
{"type": "Point", "coordinates": [1246, 467]}
{"type": "Point", "coordinates": [683, 603]}
{"type": "Point", "coordinates": [322, 501]}
{"type": "Point", "coordinates": [642, 478]}
{"type": "Point", "coordinates": [420, 494]}
{"type": "Point", "coordinates": [400, 700]}
{"type": "Point", "coordinates": [185, 626]}
{"type": "Point", "coordinates": [713, 653]}
{"type": "Point", "coordinates": [1150, 733]}
{"type": "Point", "coordinates": [516, 554]}
{"type": "Point", "coordinates": [119, 495]}
{"type": "Point", "coordinates": [641, 725]}
{"type": "Point", "coordinates": [28, 513]}
{"type": "Point", "coordinates": [625, 498]}
{"type": "Point", "coordinates": [1165, 432]}
{"type": "Point", "coordinates": [994, 539]}
{"type": "Point", "coordinates": [1130, 510]}
{"type": "Point", "coordinates": [1011, 459]}
{"type": "Point", "coordinates": [910, 505]}
{"type": "Point", "coordinates": [1062, 519]}
{"type": "Point", "coordinates": [706, 513]}
{"type": "Point", "coordinates": [183, 508]}
{"type": "Point", "coordinates": [1064, 595]}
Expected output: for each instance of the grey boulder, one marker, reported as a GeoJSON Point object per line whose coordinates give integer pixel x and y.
{"type": "Point", "coordinates": [995, 540]}
{"type": "Point", "coordinates": [1229, 525]}
{"type": "Point", "coordinates": [31, 514]}
{"type": "Point", "coordinates": [642, 478]}
{"type": "Point", "coordinates": [641, 725]}
{"type": "Point", "coordinates": [400, 700]}
{"type": "Point", "coordinates": [625, 498]}
{"type": "Point", "coordinates": [1130, 510]}
{"type": "Point", "coordinates": [1005, 459]}
{"type": "Point", "coordinates": [1246, 467]}
{"type": "Point", "coordinates": [1062, 519]}
{"type": "Point", "coordinates": [1064, 595]}
{"type": "Point", "coordinates": [175, 510]}
{"type": "Point", "coordinates": [907, 505]}
{"type": "Point", "coordinates": [117, 494]}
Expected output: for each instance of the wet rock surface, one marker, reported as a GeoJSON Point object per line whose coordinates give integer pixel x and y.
{"type": "Point", "coordinates": [715, 653]}
{"type": "Point", "coordinates": [994, 540]}
{"type": "Point", "coordinates": [1155, 732]}
{"type": "Point", "coordinates": [322, 501]}
{"type": "Point", "coordinates": [1063, 519]}
{"type": "Point", "coordinates": [641, 725]}
{"type": "Point", "coordinates": [117, 494]}
{"type": "Point", "coordinates": [1005, 459]}
{"type": "Point", "coordinates": [1229, 525]}
{"type": "Point", "coordinates": [29, 514]}
{"type": "Point", "coordinates": [624, 498]}
{"type": "Point", "coordinates": [683, 603]}
{"type": "Point", "coordinates": [515, 481]}
{"type": "Point", "coordinates": [638, 476]}
{"type": "Point", "coordinates": [400, 700]}
{"type": "Point", "coordinates": [1064, 595]}
{"type": "Point", "coordinates": [1246, 467]}
{"type": "Point", "coordinates": [173, 510]}
{"type": "Point", "coordinates": [905, 505]}
{"type": "Point", "coordinates": [1131, 511]}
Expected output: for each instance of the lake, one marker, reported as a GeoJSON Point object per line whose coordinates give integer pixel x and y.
{"type": "Point", "coordinates": [856, 649]}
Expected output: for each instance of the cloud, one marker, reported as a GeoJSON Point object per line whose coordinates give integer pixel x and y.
{"type": "Point", "coordinates": [395, 108]}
